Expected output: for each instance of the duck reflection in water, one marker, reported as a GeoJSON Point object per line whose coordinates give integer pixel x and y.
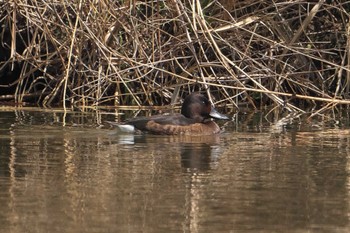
{"type": "Point", "coordinates": [197, 153]}
{"type": "Point", "coordinates": [199, 157]}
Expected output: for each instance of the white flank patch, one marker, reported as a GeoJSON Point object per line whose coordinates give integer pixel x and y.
{"type": "Point", "coordinates": [126, 128]}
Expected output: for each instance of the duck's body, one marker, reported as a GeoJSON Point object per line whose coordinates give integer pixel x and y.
{"type": "Point", "coordinates": [195, 119]}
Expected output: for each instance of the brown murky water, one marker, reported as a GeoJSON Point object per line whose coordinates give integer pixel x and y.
{"type": "Point", "coordinates": [60, 173]}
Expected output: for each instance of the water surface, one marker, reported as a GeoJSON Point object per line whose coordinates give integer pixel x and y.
{"type": "Point", "coordinates": [63, 173]}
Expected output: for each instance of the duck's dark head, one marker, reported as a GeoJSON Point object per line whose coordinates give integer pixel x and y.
{"type": "Point", "coordinates": [197, 107]}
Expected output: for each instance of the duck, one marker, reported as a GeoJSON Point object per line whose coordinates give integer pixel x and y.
{"type": "Point", "coordinates": [196, 118]}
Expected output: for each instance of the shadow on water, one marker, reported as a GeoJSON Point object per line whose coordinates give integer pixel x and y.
{"type": "Point", "coordinates": [73, 176]}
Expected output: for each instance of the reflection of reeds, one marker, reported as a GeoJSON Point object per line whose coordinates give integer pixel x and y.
{"type": "Point", "coordinates": [90, 53]}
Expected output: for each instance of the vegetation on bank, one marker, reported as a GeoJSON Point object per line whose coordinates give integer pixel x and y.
{"type": "Point", "coordinates": [292, 54]}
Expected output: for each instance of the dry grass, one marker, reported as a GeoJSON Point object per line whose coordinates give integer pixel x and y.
{"type": "Point", "coordinates": [289, 54]}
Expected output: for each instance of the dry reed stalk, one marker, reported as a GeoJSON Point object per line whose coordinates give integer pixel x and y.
{"type": "Point", "coordinates": [147, 53]}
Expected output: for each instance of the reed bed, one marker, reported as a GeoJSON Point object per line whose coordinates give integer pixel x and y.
{"type": "Point", "coordinates": [289, 54]}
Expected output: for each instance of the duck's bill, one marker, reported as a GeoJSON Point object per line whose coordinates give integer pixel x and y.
{"type": "Point", "coordinates": [216, 115]}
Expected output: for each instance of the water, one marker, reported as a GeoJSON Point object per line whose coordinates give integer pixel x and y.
{"type": "Point", "coordinates": [62, 173]}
